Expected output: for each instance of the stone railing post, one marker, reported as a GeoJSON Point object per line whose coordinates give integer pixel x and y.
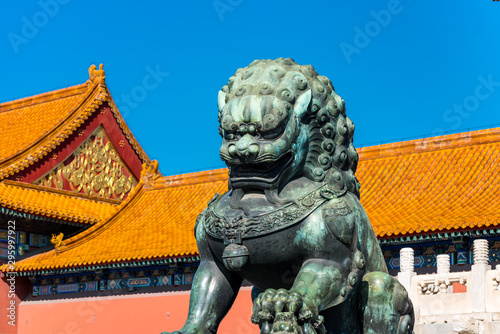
{"type": "Point", "coordinates": [407, 268]}
{"type": "Point", "coordinates": [406, 259]}
{"type": "Point", "coordinates": [481, 251]}
{"type": "Point", "coordinates": [443, 264]}
{"type": "Point", "coordinates": [478, 277]}
{"type": "Point", "coordinates": [443, 267]}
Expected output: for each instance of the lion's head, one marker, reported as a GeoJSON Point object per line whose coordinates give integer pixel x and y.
{"type": "Point", "coordinates": [280, 120]}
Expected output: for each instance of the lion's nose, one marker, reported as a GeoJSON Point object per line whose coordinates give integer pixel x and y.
{"type": "Point", "coordinates": [245, 147]}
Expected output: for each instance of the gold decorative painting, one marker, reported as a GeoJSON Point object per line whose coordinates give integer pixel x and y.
{"type": "Point", "coordinates": [95, 168]}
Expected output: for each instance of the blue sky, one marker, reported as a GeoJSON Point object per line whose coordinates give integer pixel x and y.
{"type": "Point", "coordinates": [406, 69]}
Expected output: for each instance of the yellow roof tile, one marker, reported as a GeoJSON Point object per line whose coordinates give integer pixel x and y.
{"type": "Point", "coordinates": [53, 203]}
{"type": "Point", "coordinates": [151, 223]}
{"type": "Point", "coordinates": [426, 185]}
{"type": "Point", "coordinates": [27, 120]}
{"type": "Point", "coordinates": [432, 184]}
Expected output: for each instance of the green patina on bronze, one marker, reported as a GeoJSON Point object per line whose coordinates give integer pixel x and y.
{"type": "Point", "coordinates": [291, 222]}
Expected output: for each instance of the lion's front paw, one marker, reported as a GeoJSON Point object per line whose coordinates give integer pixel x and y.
{"type": "Point", "coordinates": [280, 311]}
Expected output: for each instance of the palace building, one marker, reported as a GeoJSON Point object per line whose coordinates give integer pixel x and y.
{"type": "Point", "coordinates": [104, 243]}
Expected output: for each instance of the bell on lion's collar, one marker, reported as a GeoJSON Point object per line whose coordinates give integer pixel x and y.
{"type": "Point", "coordinates": [235, 257]}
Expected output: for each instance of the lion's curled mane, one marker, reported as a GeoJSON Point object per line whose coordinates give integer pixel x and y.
{"type": "Point", "coordinates": [330, 131]}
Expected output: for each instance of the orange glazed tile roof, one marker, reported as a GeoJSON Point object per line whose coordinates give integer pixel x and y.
{"type": "Point", "coordinates": [151, 223]}
{"type": "Point", "coordinates": [32, 127]}
{"type": "Point", "coordinates": [54, 203]}
{"type": "Point", "coordinates": [435, 184]}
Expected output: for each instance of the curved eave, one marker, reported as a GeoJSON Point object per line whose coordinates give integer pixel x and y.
{"type": "Point", "coordinates": [36, 262]}
{"type": "Point", "coordinates": [158, 261]}
{"type": "Point", "coordinates": [121, 222]}
{"type": "Point", "coordinates": [93, 98]}
{"type": "Point", "coordinates": [95, 95]}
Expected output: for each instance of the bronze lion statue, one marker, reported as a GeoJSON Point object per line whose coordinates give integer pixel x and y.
{"type": "Point", "coordinates": [291, 223]}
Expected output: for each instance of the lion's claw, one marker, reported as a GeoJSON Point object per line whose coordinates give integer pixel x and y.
{"type": "Point", "coordinates": [319, 321]}
{"type": "Point", "coordinates": [266, 316]}
{"type": "Point", "coordinates": [295, 302]}
{"type": "Point", "coordinates": [305, 315]}
{"type": "Point", "coordinates": [273, 304]}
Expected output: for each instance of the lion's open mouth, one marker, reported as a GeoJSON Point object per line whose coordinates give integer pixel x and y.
{"type": "Point", "coordinates": [262, 174]}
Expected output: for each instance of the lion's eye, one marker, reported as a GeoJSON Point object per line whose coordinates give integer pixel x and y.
{"type": "Point", "coordinates": [229, 136]}
{"type": "Point", "coordinates": [273, 134]}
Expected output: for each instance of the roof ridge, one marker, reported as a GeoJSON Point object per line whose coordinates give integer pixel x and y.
{"type": "Point", "coordinates": [437, 143]}
{"type": "Point", "coordinates": [44, 97]}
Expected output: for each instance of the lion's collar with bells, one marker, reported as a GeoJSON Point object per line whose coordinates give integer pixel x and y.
{"type": "Point", "coordinates": [233, 230]}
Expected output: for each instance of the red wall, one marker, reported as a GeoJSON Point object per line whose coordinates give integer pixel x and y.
{"type": "Point", "coordinates": [139, 313]}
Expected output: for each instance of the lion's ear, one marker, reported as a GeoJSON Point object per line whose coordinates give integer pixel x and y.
{"type": "Point", "coordinates": [221, 100]}
{"type": "Point", "coordinates": [303, 103]}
